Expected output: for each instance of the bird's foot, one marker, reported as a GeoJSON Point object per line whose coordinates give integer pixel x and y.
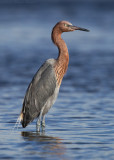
{"type": "Point", "coordinates": [43, 124]}
{"type": "Point", "coordinates": [38, 128]}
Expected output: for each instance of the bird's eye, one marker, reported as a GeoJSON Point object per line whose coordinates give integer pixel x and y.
{"type": "Point", "coordinates": [66, 25]}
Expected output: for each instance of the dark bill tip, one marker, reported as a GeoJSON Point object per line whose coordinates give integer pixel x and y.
{"type": "Point", "coordinates": [83, 29]}
{"type": "Point", "coordinates": [79, 28]}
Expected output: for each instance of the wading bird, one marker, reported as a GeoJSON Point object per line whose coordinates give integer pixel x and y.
{"type": "Point", "coordinates": [44, 87]}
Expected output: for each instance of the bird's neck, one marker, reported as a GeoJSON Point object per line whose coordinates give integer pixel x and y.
{"type": "Point", "coordinates": [63, 57]}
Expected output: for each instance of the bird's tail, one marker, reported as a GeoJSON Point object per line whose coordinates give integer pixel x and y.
{"type": "Point", "coordinates": [25, 118]}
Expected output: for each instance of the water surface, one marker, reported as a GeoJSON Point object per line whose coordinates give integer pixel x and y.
{"type": "Point", "coordinates": [80, 125]}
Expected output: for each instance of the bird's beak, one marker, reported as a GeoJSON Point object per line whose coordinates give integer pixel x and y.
{"type": "Point", "coordinates": [79, 28]}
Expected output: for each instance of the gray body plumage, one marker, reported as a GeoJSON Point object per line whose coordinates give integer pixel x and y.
{"type": "Point", "coordinates": [41, 93]}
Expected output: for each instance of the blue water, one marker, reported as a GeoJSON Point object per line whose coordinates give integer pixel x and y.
{"type": "Point", "coordinates": [80, 125]}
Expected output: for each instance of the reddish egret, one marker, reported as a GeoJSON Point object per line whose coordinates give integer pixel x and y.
{"type": "Point", "coordinates": [44, 87]}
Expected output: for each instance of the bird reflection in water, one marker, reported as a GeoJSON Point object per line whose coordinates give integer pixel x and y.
{"type": "Point", "coordinates": [48, 145]}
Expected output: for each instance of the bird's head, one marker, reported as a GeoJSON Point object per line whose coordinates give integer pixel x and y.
{"type": "Point", "coordinates": [65, 26]}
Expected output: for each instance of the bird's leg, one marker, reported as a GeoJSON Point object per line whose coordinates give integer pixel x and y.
{"type": "Point", "coordinates": [39, 120]}
{"type": "Point", "coordinates": [43, 121]}
{"type": "Point", "coordinates": [38, 125]}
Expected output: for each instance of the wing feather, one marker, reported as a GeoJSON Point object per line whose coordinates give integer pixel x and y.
{"type": "Point", "coordinates": [40, 89]}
